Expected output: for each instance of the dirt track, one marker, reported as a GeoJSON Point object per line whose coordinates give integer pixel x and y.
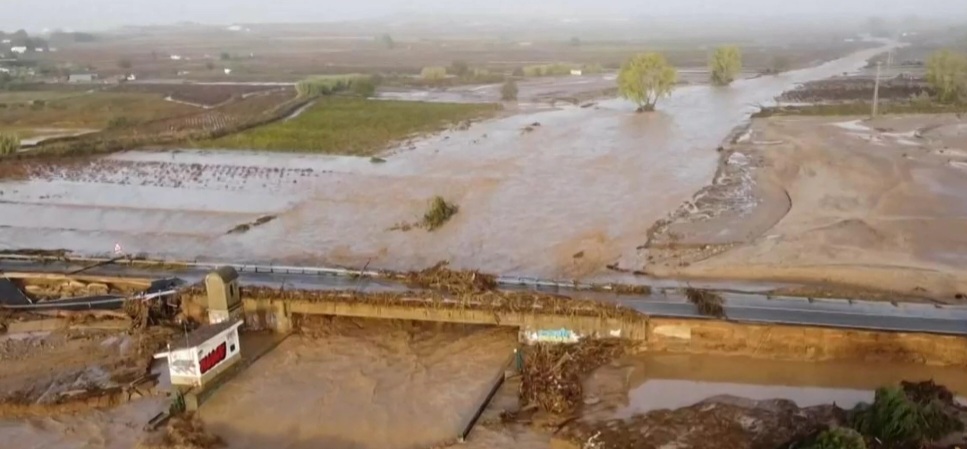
{"type": "Point", "coordinates": [876, 204]}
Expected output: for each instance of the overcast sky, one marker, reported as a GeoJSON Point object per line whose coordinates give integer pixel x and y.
{"type": "Point", "coordinates": [100, 14]}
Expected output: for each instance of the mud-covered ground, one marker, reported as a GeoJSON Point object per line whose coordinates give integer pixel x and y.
{"type": "Point", "coordinates": [871, 203]}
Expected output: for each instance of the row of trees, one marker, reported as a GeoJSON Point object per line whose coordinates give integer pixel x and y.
{"type": "Point", "coordinates": [361, 85]}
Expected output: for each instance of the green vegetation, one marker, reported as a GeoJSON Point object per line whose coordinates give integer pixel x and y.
{"type": "Point", "coordinates": [645, 78]}
{"type": "Point", "coordinates": [508, 92]}
{"type": "Point", "coordinates": [387, 41]}
{"type": "Point", "coordinates": [459, 68]}
{"type": "Point", "coordinates": [9, 143]}
{"type": "Point", "coordinates": [947, 75]}
{"type": "Point", "coordinates": [548, 70]}
{"type": "Point", "coordinates": [439, 212]}
{"type": "Point", "coordinates": [317, 86]}
{"type": "Point", "coordinates": [725, 64]}
{"type": "Point", "coordinates": [836, 438]}
{"type": "Point", "coordinates": [433, 73]}
{"type": "Point", "coordinates": [340, 125]}
{"type": "Point", "coordinates": [898, 418]}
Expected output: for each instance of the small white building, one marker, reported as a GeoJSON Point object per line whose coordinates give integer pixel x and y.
{"type": "Point", "coordinates": [39, 49]}
{"type": "Point", "coordinates": [203, 354]}
{"type": "Point", "coordinates": [5, 41]}
{"type": "Point", "coordinates": [228, 71]}
{"type": "Point", "coordinates": [576, 72]}
{"type": "Point", "coordinates": [20, 50]}
{"type": "Point", "coordinates": [175, 57]}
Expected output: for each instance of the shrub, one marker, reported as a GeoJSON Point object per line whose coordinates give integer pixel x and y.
{"type": "Point", "coordinates": [439, 212]}
{"type": "Point", "coordinates": [896, 420]}
{"type": "Point", "coordinates": [433, 73]}
{"type": "Point", "coordinates": [508, 92]}
{"type": "Point", "coordinates": [9, 143]}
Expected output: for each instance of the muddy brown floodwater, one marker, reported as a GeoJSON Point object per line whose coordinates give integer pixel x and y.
{"type": "Point", "coordinates": [587, 181]}
{"type": "Point", "coordinates": [356, 384]}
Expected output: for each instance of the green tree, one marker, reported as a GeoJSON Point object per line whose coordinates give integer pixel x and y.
{"type": "Point", "coordinates": [947, 75]}
{"type": "Point", "coordinates": [433, 73]}
{"type": "Point", "coordinates": [209, 65]}
{"type": "Point", "coordinates": [225, 56]}
{"type": "Point", "coordinates": [508, 92]}
{"type": "Point", "coordinates": [364, 86]}
{"type": "Point", "coordinates": [459, 68]}
{"type": "Point", "coordinates": [9, 144]}
{"type": "Point", "coordinates": [725, 64]}
{"type": "Point", "coordinates": [387, 41]}
{"type": "Point", "coordinates": [645, 78]}
{"type": "Point", "coordinates": [125, 63]}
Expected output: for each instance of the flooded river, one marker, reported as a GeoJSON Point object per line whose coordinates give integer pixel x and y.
{"type": "Point", "coordinates": [576, 193]}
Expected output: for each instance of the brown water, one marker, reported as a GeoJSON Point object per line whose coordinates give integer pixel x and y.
{"type": "Point", "coordinates": [646, 382]}
{"type": "Point", "coordinates": [587, 181]}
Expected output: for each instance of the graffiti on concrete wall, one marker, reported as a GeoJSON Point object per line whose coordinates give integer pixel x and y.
{"type": "Point", "coordinates": [552, 336]}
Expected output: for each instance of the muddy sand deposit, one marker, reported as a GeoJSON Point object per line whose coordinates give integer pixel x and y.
{"type": "Point", "coordinates": [344, 384]}
{"type": "Point", "coordinates": [876, 204]}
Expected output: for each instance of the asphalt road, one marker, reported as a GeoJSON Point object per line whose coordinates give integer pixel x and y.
{"type": "Point", "coordinates": [740, 307]}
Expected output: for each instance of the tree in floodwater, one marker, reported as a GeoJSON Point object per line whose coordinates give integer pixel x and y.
{"type": "Point", "coordinates": [387, 41]}
{"type": "Point", "coordinates": [645, 78]}
{"type": "Point", "coordinates": [947, 75]}
{"type": "Point", "coordinates": [725, 64]}
{"type": "Point", "coordinates": [9, 144]}
{"type": "Point", "coordinates": [508, 92]}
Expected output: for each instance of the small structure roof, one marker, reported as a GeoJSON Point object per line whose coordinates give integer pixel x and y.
{"type": "Point", "coordinates": [203, 334]}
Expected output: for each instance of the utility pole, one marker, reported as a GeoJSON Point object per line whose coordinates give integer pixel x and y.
{"type": "Point", "coordinates": [876, 88]}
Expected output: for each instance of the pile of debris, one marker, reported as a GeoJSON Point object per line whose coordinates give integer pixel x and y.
{"type": "Point", "coordinates": [553, 374]}
{"type": "Point", "coordinates": [719, 422]}
{"type": "Point", "coordinates": [185, 431]}
{"type": "Point", "coordinates": [441, 277]}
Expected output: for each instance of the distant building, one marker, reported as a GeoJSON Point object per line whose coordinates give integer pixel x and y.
{"type": "Point", "coordinates": [81, 78]}
{"type": "Point", "coordinates": [21, 50]}
{"type": "Point", "coordinates": [175, 57]}
{"type": "Point", "coordinates": [39, 49]}
{"type": "Point", "coordinates": [576, 72]}
{"type": "Point", "coordinates": [235, 28]}
{"type": "Point", "coordinates": [5, 41]}
{"type": "Point", "coordinates": [228, 71]}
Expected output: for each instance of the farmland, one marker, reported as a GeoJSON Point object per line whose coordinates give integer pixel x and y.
{"type": "Point", "coordinates": [337, 125]}
{"type": "Point", "coordinates": [44, 109]}
{"type": "Point", "coordinates": [207, 95]}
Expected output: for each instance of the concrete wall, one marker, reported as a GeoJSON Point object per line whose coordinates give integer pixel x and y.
{"type": "Point", "coordinates": [802, 343]}
{"type": "Point", "coordinates": [694, 336]}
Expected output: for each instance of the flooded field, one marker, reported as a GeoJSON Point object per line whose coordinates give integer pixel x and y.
{"type": "Point", "coordinates": [577, 192]}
